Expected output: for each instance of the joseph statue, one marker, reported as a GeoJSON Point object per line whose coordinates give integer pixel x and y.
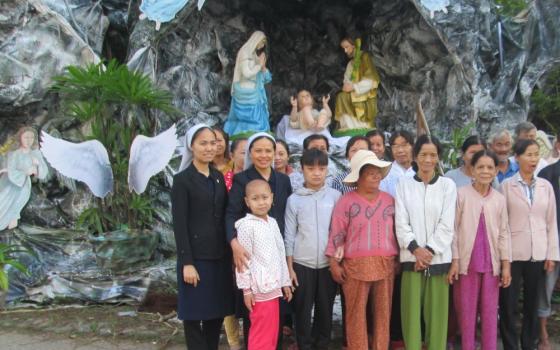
{"type": "Point", "coordinates": [356, 104]}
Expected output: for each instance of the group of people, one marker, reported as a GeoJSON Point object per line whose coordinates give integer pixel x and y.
{"type": "Point", "coordinates": [260, 241]}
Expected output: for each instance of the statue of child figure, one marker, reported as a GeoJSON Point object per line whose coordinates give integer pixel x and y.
{"type": "Point", "coordinates": [305, 117]}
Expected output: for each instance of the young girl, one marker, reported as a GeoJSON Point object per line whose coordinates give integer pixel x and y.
{"type": "Point", "coordinates": [267, 275]}
{"type": "Point", "coordinates": [481, 250]}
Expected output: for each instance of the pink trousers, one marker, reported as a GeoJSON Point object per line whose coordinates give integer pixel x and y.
{"type": "Point", "coordinates": [477, 294]}
{"type": "Point", "coordinates": [265, 321]}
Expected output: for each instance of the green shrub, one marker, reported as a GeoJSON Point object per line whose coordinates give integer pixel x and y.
{"type": "Point", "coordinates": [117, 104]}
{"type": "Point", "coordinates": [545, 103]}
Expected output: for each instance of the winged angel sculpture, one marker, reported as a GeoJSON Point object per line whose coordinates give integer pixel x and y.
{"type": "Point", "coordinates": [88, 161]}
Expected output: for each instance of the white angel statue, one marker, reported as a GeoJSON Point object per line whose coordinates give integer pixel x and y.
{"type": "Point", "coordinates": [88, 161]}
{"type": "Point", "coordinates": [15, 179]}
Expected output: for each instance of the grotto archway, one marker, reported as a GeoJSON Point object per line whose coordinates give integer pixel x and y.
{"type": "Point", "coordinates": [196, 56]}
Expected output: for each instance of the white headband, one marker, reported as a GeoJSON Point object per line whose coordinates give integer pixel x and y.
{"type": "Point", "coordinates": [188, 155]}
{"type": "Point", "coordinates": [248, 162]}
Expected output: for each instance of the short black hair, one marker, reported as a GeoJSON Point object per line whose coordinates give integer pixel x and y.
{"type": "Point", "coordinates": [283, 143]}
{"type": "Point", "coordinates": [226, 139]}
{"type": "Point", "coordinates": [314, 137]}
{"type": "Point", "coordinates": [521, 146]}
{"type": "Point", "coordinates": [375, 132]}
{"type": "Point", "coordinates": [404, 134]}
{"type": "Point", "coordinates": [314, 156]}
{"type": "Point", "coordinates": [235, 143]}
{"type": "Point", "coordinates": [355, 139]}
{"type": "Point", "coordinates": [484, 153]}
{"type": "Point", "coordinates": [426, 140]}
{"type": "Point", "coordinates": [472, 141]}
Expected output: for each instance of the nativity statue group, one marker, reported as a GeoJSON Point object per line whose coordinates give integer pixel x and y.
{"type": "Point", "coordinates": [355, 106]}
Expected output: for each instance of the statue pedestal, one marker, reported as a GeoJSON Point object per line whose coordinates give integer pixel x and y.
{"type": "Point", "coordinates": [351, 132]}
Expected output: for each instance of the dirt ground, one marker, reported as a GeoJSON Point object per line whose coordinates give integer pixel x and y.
{"type": "Point", "coordinates": [92, 327]}
{"type": "Point", "coordinates": [116, 327]}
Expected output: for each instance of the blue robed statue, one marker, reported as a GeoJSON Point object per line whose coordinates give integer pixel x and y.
{"type": "Point", "coordinates": [249, 104]}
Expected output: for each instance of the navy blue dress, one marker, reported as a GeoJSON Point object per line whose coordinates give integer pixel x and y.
{"type": "Point", "coordinates": [198, 204]}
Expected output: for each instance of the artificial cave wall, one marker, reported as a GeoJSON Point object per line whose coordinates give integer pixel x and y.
{"type": "Point", "coordinates": [446, 56]}
{"type": "Point", "coordinates": [444, 53]}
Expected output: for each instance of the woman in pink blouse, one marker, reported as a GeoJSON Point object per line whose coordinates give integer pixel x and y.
{"type": "Point", "coordinates": [534, 245]}
{"type": "Point", "coordinates": [362, 232]}
{"type": "Point", "coordinates": [481, 252]}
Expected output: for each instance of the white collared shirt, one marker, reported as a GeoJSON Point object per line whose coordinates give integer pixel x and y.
{"type": "Point", "coordinates": [528, 189]}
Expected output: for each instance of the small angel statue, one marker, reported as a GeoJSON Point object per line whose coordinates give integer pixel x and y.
{"type": "Point", "coordinates": [15, 179]}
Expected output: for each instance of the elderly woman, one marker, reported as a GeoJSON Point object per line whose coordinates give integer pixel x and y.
{"type": "Point", "coordinates": [425, 218]}
{"type": "Point", "coordinates": [362, 227]}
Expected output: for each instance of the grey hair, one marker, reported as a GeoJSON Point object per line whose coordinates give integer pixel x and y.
{"type": "Point", "coordinates": [499, 134]}
{"type": "Point", "coordinates": [523, 127]}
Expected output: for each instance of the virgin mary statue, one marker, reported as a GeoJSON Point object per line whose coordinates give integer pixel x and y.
{"type": "Point", "coordinates": [249, 105]}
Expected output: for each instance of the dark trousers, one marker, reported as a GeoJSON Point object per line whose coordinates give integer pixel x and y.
{"type": "Point", "coordinates": [203, 335]}
{"type": "Point", "coordinates": [396, 326]}
{"type": "Point", "coordinates": [316, 290]}
{"type": "Point", "coordinates": [530, 275]}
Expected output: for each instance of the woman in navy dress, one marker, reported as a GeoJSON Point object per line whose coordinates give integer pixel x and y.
{"type": "Point", "coordinates": [204, 277]}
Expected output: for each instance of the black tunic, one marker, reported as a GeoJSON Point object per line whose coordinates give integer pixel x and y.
{"type": "Point", "coordinates": [237, 209]}
{"type": "Point", "coordinates": [198, 206]}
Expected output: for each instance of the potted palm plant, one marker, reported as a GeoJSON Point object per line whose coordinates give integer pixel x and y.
{"type": "Point", "coordinates": [115, 104]}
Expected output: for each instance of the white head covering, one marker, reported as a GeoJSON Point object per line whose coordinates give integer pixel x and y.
{"type": "Point", "coordinates": [247, 51]}
{"type": "Point", "coordinates": [188, 155]}
{"type": "Point", "coordinates": [248, 162]}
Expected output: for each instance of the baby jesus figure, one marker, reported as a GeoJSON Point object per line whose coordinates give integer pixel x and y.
{"type": "Point", "coordinates": [305, 117]}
